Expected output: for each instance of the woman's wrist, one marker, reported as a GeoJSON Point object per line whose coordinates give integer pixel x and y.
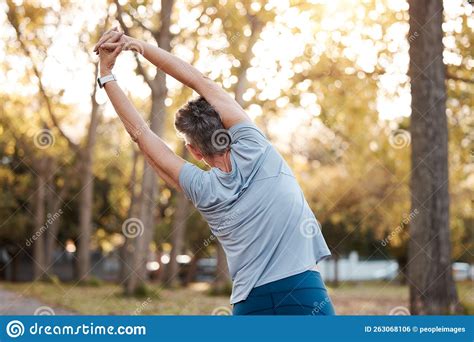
{"type": "Point", "coordinates": [135, 45]}
{"type": "Point", "coordinates": [105, 71]}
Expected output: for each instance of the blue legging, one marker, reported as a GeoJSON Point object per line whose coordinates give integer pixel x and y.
{"type": "Point", "coordinates": [301, 294]}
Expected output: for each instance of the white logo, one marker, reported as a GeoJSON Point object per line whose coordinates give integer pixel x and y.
{"type": "Point", "coordinates": [132, 227]}
{"type": "Point", "coordinates": [15, 328]}
{"type": "Point", "coordinates": [399, 138]}
{"type": "Point", "coordinates": [222, 311]}
{"type": "Point", "coordinates": [310, 227]}
{"type": "Point", "coordinates": [221, 139]}
{"type": "Point", "coordinates": [44, 311]}
{"type": "Point", "coordinates": [43, 139]}
{"type": "Point", "coordinates": [399, 311]}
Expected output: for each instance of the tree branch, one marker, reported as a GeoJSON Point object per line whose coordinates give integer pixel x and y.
{"type": "Point", "coordinates": [256, 27]}
{"type": "Point", "coordinates": [154, 33]}
{"type": "Point", "coordinates": [13, 19]}
{"type": "Point", "coordinates": [141, 69]}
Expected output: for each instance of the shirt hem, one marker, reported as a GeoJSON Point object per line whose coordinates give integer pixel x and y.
{"type": "Point", "coordinates": [278, 277]}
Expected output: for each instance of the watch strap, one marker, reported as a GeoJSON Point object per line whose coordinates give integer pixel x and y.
{"type": "Point", "coordinates": [103, 80]}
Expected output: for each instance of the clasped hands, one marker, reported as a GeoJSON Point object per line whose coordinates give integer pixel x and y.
{"type": "Point", "coordinates": [110, 45]}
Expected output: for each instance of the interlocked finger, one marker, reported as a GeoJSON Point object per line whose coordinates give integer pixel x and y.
{"type": "Point", "coordinates": [110, 46]}
{"type": "Point", "coordinates": [113, 38]}
{"type": "Point", "coordinates": [105, 37]}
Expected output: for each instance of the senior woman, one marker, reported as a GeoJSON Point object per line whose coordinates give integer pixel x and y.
{"type": "Point", "coordinates": [249, 196]}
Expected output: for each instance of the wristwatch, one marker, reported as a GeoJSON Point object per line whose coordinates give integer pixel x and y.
{"type": "Point", "coordinates": [103, 80]}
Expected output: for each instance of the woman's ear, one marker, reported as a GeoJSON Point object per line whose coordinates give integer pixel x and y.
{"type": "Point", "coordinates": [195, 152]}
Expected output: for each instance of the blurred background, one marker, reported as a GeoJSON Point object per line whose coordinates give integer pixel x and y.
{"type": "Point", "coordinates": [85, 225]}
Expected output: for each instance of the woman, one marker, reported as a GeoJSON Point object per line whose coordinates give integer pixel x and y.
{"type": "Point", "coordinates": [249, 197]}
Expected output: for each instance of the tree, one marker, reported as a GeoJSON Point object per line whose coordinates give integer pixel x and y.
{"type": "Point", "coordinates": [182, 212]}
{"type": "Point", "coordinates": [83, 151]}
{"type": "Point", "coordinates": [432, 288]}
{"type": "Point", "coordinates": [41, 165]}
{"type": "Point", "coordinates": [159, 92]}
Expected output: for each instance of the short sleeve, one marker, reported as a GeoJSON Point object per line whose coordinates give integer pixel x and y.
{"type": "Point", "coordinates": [193, 183]}
{"type": "Point", "coordinates": [249, 132]}
{"type": "Point", "coordinates": [248, 147]}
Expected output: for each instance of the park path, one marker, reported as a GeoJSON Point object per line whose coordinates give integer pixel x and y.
{"type": "Point", "coordinates": [12, 303]}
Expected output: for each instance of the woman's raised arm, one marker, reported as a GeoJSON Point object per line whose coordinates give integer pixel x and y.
{"type": "Point", "coordinates": [163, 160]}
{"type": "Point", "coordinates": [229, 110]}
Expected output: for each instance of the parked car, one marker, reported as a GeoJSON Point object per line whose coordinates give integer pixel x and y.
{"type": "Point", "coordinates": [462, 271]}
{"type": "Point", "coordinates": [206, 269]}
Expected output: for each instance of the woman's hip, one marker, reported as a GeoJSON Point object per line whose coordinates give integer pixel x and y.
{"type": "Point", "coordinates": [300, 294]}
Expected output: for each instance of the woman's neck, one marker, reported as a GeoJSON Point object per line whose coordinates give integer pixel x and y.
{"type": "Point", "coordinates": [222, 162]}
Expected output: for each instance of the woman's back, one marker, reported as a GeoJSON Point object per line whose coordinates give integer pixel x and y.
{"type": "Point", "coordinates": [257, 211]}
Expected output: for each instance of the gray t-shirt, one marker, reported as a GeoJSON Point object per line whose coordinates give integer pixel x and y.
{"type": "Point", "coordinates": [257, 211]}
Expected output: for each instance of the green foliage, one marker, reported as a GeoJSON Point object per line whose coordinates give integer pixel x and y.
{"type": "Point", "coordinates": [325, 97]}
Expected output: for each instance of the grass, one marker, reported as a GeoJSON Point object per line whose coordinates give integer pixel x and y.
{"type": "Point", "coordinates": [369, 298]}
{"type": "Point", "coordinates": [108, 299]}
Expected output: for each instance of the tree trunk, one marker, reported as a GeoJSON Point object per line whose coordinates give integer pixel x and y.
{"type": "Point", "coordinates": [336, 270]}
{"type": "Point", "coordinates": [177, 235]}
{"type": "Point", "coordinates": [256, 27]}
{"type": "Point", "coordinates": [126, 249]}
{"type": "Point", "coordinates": [53, 229]}
{"type": "Point", "coordinates": [142, 241]}
{"type": "Point", "coordinates": [39, 264]}
{"type": "Point", "coordinates": [87, 193]}
{"type": "Point", "coordinates": [85, 222]}
{"type": "Point", "coordinates": [177, 238]}
{"type": "Point", "coordinates": [432, 289]}
{"type": "Point", "coordinates": [402, 265]}
{"type": "Point", "coordinates": [192, 271]}
{"type": "Point", "coordinates": [159, 92]}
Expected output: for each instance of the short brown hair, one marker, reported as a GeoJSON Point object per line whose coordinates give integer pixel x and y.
{"type": "Point", "coordinates": [198, 121]}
